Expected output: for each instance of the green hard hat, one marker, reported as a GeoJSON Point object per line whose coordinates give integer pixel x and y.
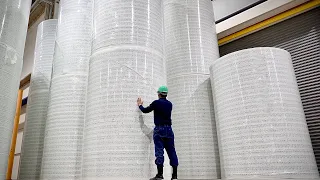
{"type": "Point", "coordinates": [163, 90]}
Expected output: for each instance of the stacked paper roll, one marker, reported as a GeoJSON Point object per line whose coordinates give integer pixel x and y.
{"type": "Point", "coordinates": [14, 15]}
{"type": "Point", "coordinates": [74, 37]}
{"type": "Point", "coordinates": [191, 47]}
{"type": "Point", "coordinates": [14, 23]}
{"type": "Point", "coordinates": [62, 153]}
{"type": "Point", "coordinates": [64, 128]}
{"type": "Point", "coordinates": [138, 22]}
{"type": "Point", "coordinates": [261, 125]}
{"type": "Point", "coordinates": [127, 62]}
{"type": "Point", "coordinates": [38, 100]}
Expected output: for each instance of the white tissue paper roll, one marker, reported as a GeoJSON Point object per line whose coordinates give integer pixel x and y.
{"type": "Point", "coordinates": [127, 62]}
{"type": "Point", "coordinates": [14, 16]}
{"type": "Point", "coordinates": [261, 125]}
{"type": "Point", "coordinates": [38, 100]}
{"type": "Point", "coordinates": [74, 37]}
{"type": "Point", "coordinates": [62, 153]}
{"type": "Point", "coordinates": [117, 135]}
{"type": "Point", "coordinates": [137, 22]}
{"type": "Point", "coordinates": [191, 47]}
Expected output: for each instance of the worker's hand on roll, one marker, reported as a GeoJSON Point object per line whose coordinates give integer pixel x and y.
{"type": "Point", "coordinates": [139, 102]}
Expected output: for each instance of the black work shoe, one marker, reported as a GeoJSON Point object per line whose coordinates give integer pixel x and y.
{"type": "Point", "coordinates": [174, 172]}
{"type": "Point", "coordinates": [157, 177]}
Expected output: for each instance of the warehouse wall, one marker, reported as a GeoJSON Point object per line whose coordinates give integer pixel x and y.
{"type": "Point", "coordinates": [301, 37]}
{"type": "Point", "coordinates": [254, 15]}
{"type": "Point", "coordinates": [223, 8]}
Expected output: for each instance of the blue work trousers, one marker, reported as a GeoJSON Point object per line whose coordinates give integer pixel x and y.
{"type": "Point", "coordinates": [163, 137]}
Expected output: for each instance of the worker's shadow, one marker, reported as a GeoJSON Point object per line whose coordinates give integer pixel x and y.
{"type": "Point", "coordinates": [145, 129]}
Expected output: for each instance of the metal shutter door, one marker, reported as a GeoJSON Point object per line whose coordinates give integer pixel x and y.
{"type": "Point", "coordinates": [300, 36]}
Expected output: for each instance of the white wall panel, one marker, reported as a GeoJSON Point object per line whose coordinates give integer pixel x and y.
{"type": "Point", "coordinates": [261, 125]}
{"type": "Point", "coordinates": [191, 47]}
{"type": "Point", "coordinates": [16, 160]}
{"type": "Point", "coordinates": [19, 142]}
{"type": "Point", "coordinates": [14, 16]}
{"type": "Point", "coordinates": [22, 118]}
{"type": "Point", "coordinates": [223, 8]}
{"type": "Point", "coordinates": [15, 168]}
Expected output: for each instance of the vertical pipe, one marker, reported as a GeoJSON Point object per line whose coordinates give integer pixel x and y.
{"type": "Point", "coordinates": [191, 47]}
{"type": "Point", "coordinates": [56, 9]}
{"type": "Point", "coordinates": [14, 15]}
{"type": "Point", "coordinates": [14, 134]}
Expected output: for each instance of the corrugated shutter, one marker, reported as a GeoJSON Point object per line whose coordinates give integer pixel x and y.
{"type": "Point", "coordinates": [300, 36]}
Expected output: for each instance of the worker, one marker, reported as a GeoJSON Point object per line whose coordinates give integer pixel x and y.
{"type": "Point", "coordinates": [163, 135]}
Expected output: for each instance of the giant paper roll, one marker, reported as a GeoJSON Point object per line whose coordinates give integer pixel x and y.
{"type": "Point", "coordinates": [127, 62]}
{"type": "Point", "coordinates": [191, 47]}
{"type": "Point", "coordinates": [62, 153]}
{"type": "Point", "coordinates": [14, 16]}
{"type": "Point", "coordinates": [38, 100]}
{"type": "Point", "coordinates": [117, 135]}
{"type": "Point", "coordinates": [74, 37]}
{"type": "Point", "coordinates": [261, 125]}
{"type": "Point", "coordinates": [64, 128]}
{"type": "Point", "coordinates": [137, 22]}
